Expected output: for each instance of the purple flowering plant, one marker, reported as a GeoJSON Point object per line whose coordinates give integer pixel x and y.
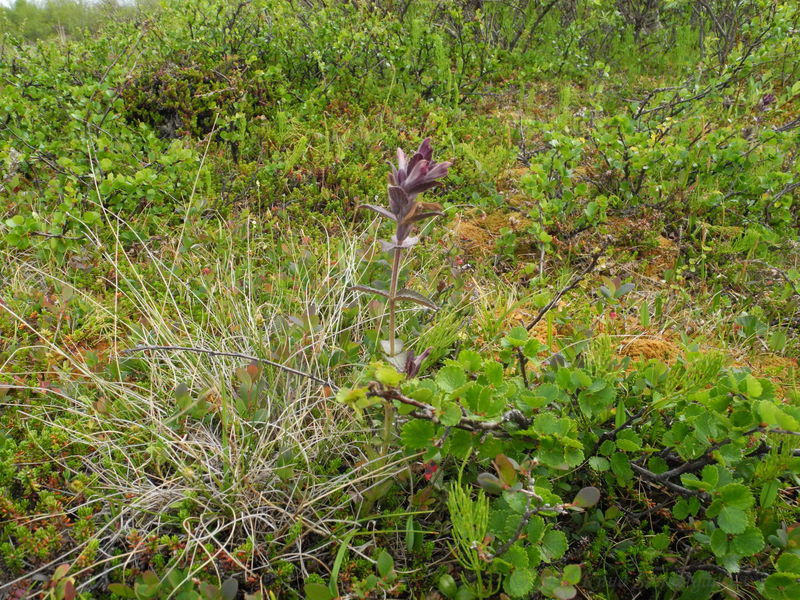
{"type": "Point", "coordinates": [410, 177]}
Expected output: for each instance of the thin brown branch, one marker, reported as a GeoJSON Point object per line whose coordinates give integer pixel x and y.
{"type": "Point", "coordinates": [523, 363]}
{"type": "Point", "coordinates": [56, 236]}
{"type": "Point", "coordinates": [654, 479]}
{"type": "Point", "coordinates": [777, 271]}
{"type": "Point", "coordinates": [576, 279]}
{"type": "Point", "coordinates": [526, 517]}
{"type": "Point", "coordinates": [428, 412]}
{"type": "Point", "coordinates": [610, 435]}
{"type": "Point", "coordinates": [232, 355]}
{"type": "Point", "coordinates": [523, 523]}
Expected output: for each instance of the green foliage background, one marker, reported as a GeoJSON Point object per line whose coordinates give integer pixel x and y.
{"type": "Point", "coordinates": [188, 174]}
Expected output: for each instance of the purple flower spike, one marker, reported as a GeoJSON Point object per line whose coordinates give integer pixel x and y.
{"type": "Point", "coordinates": [408, 179]}
{"type": "Point", "coordinates": [418, 174]}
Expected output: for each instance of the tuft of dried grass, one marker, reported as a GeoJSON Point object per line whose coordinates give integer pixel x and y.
{"type": "Point", "coordinates": [649, 348]}
{"type": "Point", "coordinates": [476, 235]}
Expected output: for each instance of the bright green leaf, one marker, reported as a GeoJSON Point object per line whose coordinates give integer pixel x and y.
{"type": "Point", "coordinates": [554, 545]}
{"type": "Point", "coordinates": [317, 591]}
{"type": "Point", "coordinates": [417, 434]}
{"type": "Point", "coordinates": [732, 520]}
{"type": "Point", "coordinates": [388, 375]}
{"type": "Point", "coordinates": [782, 586]}
{"type": "Point", "coordinates": [385, 563]}
{"type": "Point", "coordinates": [572, 574]}
{"type": "Point", "coordinates": [598, 463]}
{"type": "Point", "coordinates": [749, 542]}
{"type": "Point", "coordinates": [736, 495]}
{"type": "Point", "coordinates": [788, 563]}
{"type": "Point", "coordinates": [451, 414]}
{"type": "Point", "coordinates": [450, 378]}
{"type": "Point", "coordinates": [519, 583]}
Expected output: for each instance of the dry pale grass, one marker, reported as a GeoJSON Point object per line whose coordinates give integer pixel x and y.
{"type": "Point", "coordinates": [650, 348]}
{"type": "Point", "coordinates": [476, 236]}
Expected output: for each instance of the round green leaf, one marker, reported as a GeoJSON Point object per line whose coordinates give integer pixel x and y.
{"type": "Point", "coordinates": [447, 585]}
{"type": "Point", "coordinates": [388, 375]}
{"type": "Point", "coordinates": [554, 545]}
{"type": "Point", "coordinates": [417, 434]}
{"type": "Point", "coordinates": [598, 463]}
{"type": "Point", "coordinates": [782, 586]}
{"type": "Point", "coordinates": [587, 497]}
{"type": "Point", "coordinates": [534, 529]}
{"type": "Point", "coordinates": [317, 591]}
{"type": "Point", "coordinates": [572, 574]}
{"type": "Point", "coordinates": [732, 520]}
{"type": "Point", "coordinates": [736, 495]}
{"type": "Point", "coordinates": [565, 592]}
{"type": "Point", "coordinates": [516, 337]}
{"type": "Point", "coordinates": [490, 483]}
{"type": "Point", "coordinates": [519, 583]}
{"type": "Point", "coordinates": [749, 542]}
{"type": "Point", "coordinates": [470, 360]}
{"type": "Point", "coordinates": [789, 563]}
{"type": "Point", "coordinates": [719, 542]}
{"type": "Point", "coordinates": [451, 378]}
{"type": "Point", "coordinates": [517, 556]}
{"type": "Point", "coordinates": [451, 414]}
{"type": "Point", "coordinates": [146, 591]}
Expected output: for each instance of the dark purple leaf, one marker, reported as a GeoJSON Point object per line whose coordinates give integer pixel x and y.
{"type": "Point", "coordinates": [399, 202]}
{"type": "Point", "coordinates": [413, 363]}
{"type": "Point", "coordinates": [370, 290]}
{"type": "Point", "coordinates": [424, 215]}
{"type": "Point", "coordinates": [416, 297]}
{"type": "Point", "coordinates": [380, 210]}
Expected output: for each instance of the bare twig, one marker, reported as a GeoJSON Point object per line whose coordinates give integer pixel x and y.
{"type": "Point", "coordinates": [794, 124]}
{"type": "Point", "coordinates": [56, 236]}
{"type": "Point", "coordinates": [428, 412]}
{"type": "Point", "coordinates": [523, 362]}
{"type": "Point", "coordinates": [526, 517]}
{"type": "Point", "coordinates": [576, 279]}
{"type": "Point", "coordinates": [741, 574]}
{"type": "Point", "coordinates": [707, 458]}
{"type": "Point", "coordinates": [654, 479]}
{"type": "Point", "coordinates": [610, 435]}
{"type": "Point", "coordinates": [232, 355]}
{"type": "Point", "coordinates": [777, 271]}
{"type": "Point", "coordinates": [787, 189]}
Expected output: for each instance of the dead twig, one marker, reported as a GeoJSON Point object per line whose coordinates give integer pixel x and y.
{"type": "Point", "coordinates": [232, 355]}
{"type": "Point", "coordinates": [576, 279]}
{"type": "Point", "coordinates": [428, 412]}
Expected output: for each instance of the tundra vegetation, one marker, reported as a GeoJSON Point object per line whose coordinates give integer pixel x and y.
{"type": "Point", "coordinates": [555, 357]}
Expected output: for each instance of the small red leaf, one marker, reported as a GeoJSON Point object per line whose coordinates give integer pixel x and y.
{"type": "Point", "coordinates": [69, 590]}
{"type": "Point", "coordinates": [430, 470]}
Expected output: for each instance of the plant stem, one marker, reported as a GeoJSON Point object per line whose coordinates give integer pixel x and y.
{"type": "Point", "coordinates": [392, 297]}
{"type": "Point", "coordinates": [388, 422]}
{"type": "Point", "coordinates": [388, 407]}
